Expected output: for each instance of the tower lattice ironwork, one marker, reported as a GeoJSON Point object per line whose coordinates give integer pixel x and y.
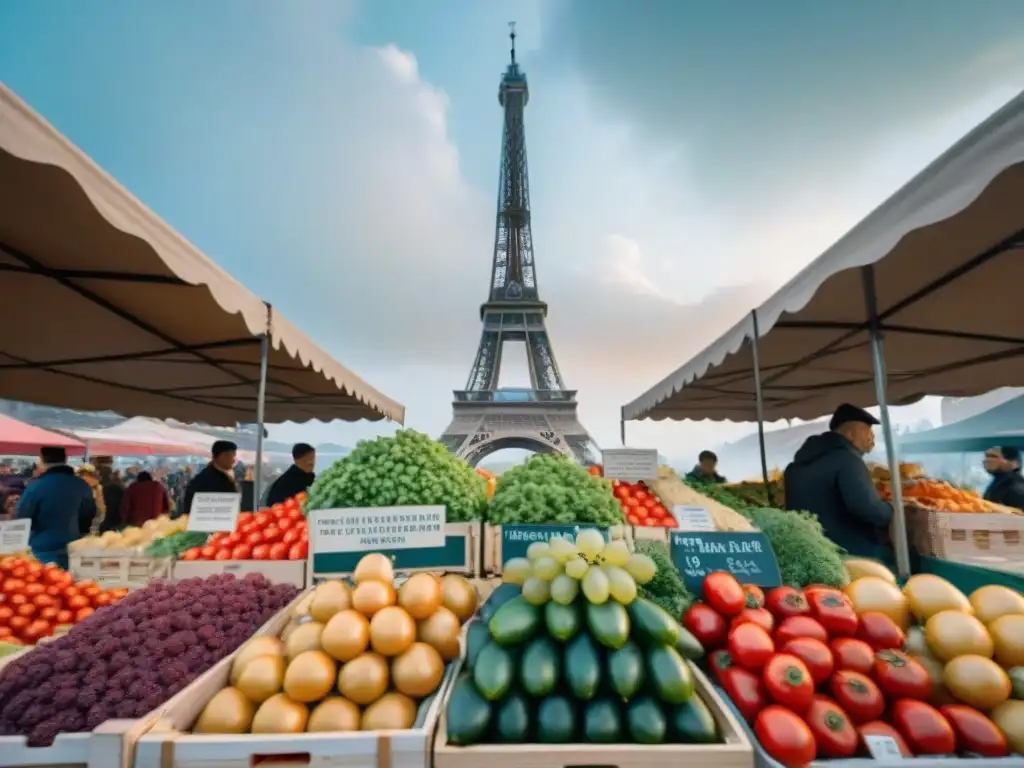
{"type": "Point", "coordinates": [541, 418]}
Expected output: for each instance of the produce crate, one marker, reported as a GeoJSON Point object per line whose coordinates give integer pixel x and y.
{"type": "Point", "coordinates": [277, 571]}
{"type": "Point", "coordinates": [112, 744]}
{"type": "Point", "coordinates": [645, 533]}
{"type": "Point", "coordinates": [736, 752]}
{"type": "Point", "coordinates": [169, 744]}
{"type": "Point", "coordinates": [112, 571]}
{"type": "Point", "coordinates": [493, 557]}
{"type": "Point", "coordinates": [962, 535]}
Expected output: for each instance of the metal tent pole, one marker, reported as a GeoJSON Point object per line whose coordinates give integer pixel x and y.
{"type": "Point", "coordinates": [261, 404]}
{"type": "Point", "coordinates": [759, 401]}
{"type": "Point", "coordinates": [622, 427]}
{"type": "Point", "coordinates": [899, 527]}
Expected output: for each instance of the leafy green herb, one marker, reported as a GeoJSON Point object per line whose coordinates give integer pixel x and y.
{"type": "Point", "coordinates": [666, 588]}
{"type": "Point", "coordinates": [176, 543]}
{"type": "Point", "coordinates": [805, 555]}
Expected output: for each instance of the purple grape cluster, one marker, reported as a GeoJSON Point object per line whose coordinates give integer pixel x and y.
{"type": "Point", "coordinates": [129, 658]}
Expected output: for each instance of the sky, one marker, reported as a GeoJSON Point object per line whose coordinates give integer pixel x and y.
{"type": "Point", "coordinates": [340, 159]}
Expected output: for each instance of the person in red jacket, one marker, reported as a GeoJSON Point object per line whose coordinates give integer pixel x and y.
{"type": "Point", "coordinates": [145, 499]}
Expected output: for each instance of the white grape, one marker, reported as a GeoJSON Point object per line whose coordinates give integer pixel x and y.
{"type": "Point", "coordinates": [564, 589]}
{"type": "Point", "coordinates": [616, 553]}
{"type": "Point", "coordinates": [516, 571]}
{"type": "Point", "coordinates": [621, 585]}
{"type": "Point", "coordinates": [537, 549]}
{"type": "Point", "coordinates": [561, 549]}
{"type": "Point", "coordinates": [589, 542]}
{"type": "Point", "coordinates": [595, 586]}
{"type": "Point", "coordinates": [641, 568]}
{"type": "Point", "coordinates": [536, 591]}
{"type": "Point", "coordinates": [546, 568]}
{"type": "Point", "coordinates": [577, 568]}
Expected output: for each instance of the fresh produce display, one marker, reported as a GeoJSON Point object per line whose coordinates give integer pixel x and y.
{"type": "Point", "coordinates": [553, 489]}
{"type": "Point", "coordinates": [641, 505]}
{"type": "Point", "coordinates": [577, 655]}
{"type": "Point", "coordinates": [805, 555]}
{"type": "Point", "coordinates": [815, 670]}
{"type": "Point", "coordinates": [36, 600]}
{"type": "Point", "coordinates": [944, 497]}
{"type": "Point", "coordinates": [127, 659]}
{"type": "Point", "coordinates": [278, 533]}
{"type": "Point", "coordinates": [175, 544]}
{"type": "Point", "coordinates": [757, 494]}
{"type": "Point", "coordinates": [133, 536]}
{"type": "Point", "coordinates": [406, 469]}
{"type": "Point", "coordinates": [366, 657]}
{"type": "Point", "coordinates": [666, 588]}
{"type": "Point", "coordinates": [671, 489]}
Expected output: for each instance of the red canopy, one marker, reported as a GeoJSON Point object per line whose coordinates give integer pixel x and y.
{"type": "Point", "coordinates": [20, 439]}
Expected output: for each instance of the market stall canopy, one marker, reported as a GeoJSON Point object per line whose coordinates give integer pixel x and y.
{"type": "Point", "coordinates": [104, 306]}
{"type": "Point", "coordinates": [143, 437]}
{"type": "Point", "coordinates": [948, 260]}
{"type": "Point", "coordinates": [20, 439]}
{"type": "Point", "coordinates": [1002, 425]}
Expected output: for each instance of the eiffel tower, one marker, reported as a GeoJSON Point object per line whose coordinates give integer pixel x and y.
{"type": "Point", "coordinates": [540, 418]}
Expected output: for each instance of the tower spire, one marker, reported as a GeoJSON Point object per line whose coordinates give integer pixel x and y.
{"type": "Point", "coordinates": [512, 37]}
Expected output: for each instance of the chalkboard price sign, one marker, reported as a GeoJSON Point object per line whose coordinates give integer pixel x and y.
{"type": "Point", "coordinates": [748, 556]}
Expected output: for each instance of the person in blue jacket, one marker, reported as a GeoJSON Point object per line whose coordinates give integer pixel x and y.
{"type": "Point", "coordinates": [60, 506]}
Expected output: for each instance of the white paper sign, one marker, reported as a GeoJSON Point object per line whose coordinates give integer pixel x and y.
{"type": "Point", "coordinates": [369, 529]}
{"type": "Point", "coordinates": [882, 747]}
{"type": "Point", "coordinates": [214, 512]}
{"type": "Point", "coordinates": [630, 464]}
{"type": "Point", "coordinates": [689, 518]}
{"type": "Point", "coordinates": [14, 536]}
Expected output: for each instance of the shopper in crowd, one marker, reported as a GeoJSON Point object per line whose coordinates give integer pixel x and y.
{"type": "Point", "coordinates": [91, 477]}
{"type": "Point", "coordinates": [216, 477]}
{"type": "Point", "coordinates": [297, 478]}
{"type": "Point", "coordinates": [113, 494]}
{"type": "Point", "coordinates": [828, 477]}
{"type": "Point", "coordinates": [145, 499]}
{"type": "Point", "coordinates": [1007, 486]}
{"type": "Point", "coordinates": [706, 470]}
{"type": "Point", "coordinates": [60, 506]}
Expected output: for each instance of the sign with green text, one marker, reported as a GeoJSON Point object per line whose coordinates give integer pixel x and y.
{"type": "Point", "coordinates": [516, 539]}
{"type": "Point", "coordinates": [747, 556]}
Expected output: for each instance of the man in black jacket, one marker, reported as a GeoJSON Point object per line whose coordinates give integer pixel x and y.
{"type": "Point", "coordinates": [297, 478]}
{"type": "Point", "coordinates": [215, 477]}
{"type": "Point", "coordinates": [828, 477]}
{"type": "Point", "coordinates": [1007, 486]}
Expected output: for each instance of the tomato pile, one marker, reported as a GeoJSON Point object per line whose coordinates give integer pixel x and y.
{"type": "Point", "coordinates": [35, 599]}
{"type": "Point", "coordinates": [818, 678]}
{"type": "Point", "coordinates": [641, 505]}
{"type": "Point", "coordinates": [277, 533]}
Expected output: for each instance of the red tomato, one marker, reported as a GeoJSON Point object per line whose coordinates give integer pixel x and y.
{"type": "Point", "coordinates": [49, 614]}
{"type": "Point", "coordinates": [35, 632]}
{"type": "Point", "coordinates": [17, 599]}
{"type": "Point", "coordinates": [858, 695]}
{"type": "Point", "coordinates": [878, 728]}
{"type": "Point", "coordinates": [853, 654]}
{"type": "Point", "coordinates": [208, 552]}
{"type": "Point", "coordinates": [926, 731]}
{"type": "Point", "coordinates": [750, 646]}
{"type": "Point", "coordinates": [5, 613]}
{"type": "Point", "coordinates": [91, 591]}
{"type": "Point", "coordinates": [788, 682]}
{"type": "Point", "coordinates": [758, 616]}
{"type": "Point", "coordinates": [746, 691]}
{"type": "Point", "coordinates": [65, 617]}
{"type": "Point", "coordinates": [32, 589]}
{"type": "Point", "coordinates": [18, 623]}
{"type": "Point", "coordinates": [785, 737]}
{"type": "Point", "coordinates": [723, 593]}
{"type": "Point", "coordinates": [77, 602]}
{"type": "Point", "coordinates": [755, 596]}
{"type": "Point", "coordinates": [5, 634]}
{"type": "Point", "coordinates": [718, 662]}
{"type": "Point", "coordinates": [815, 655]}
{"type": "Point", "coordinates": [834, 612]}
{"type": "Point", "coordinates": [784, 602]}
{"type": "Point", "coordinates": [900, 676]}
{"type": "Point", "coordinates": [103, 599]}
{"type": "Point", "coordinates": [277, 509]}
{"type": "Point", "coordinates": [640, 494]}
{"type": "Point", "coordinates": [630, 518]}
{"type": "Point", "coordinates": [244, 518]}
{"type": "Point", "coordinates": [799, 626]}
{"type": "Point", "coordinates": [669, 522]}
{"type": "Point", "coordinates": [299, 550]}
{"type": "Point", "coordinates": [707, 625]}
{"type": "Point", "coordinates": [294, 513]}
{"type": "Point", "coordinates": [285, 523]}
{"type": "Point", "coordinates": [28, 609]}
{"type": "Point", "coordinates": [254, 538]}
{"type": "Point", "coordinates": [880, 632]}
{"type": "Point", "coordinates": [232, 541]}
{"type": "Point", "coordinates": [833, 732]}
{"type": "Point", "coordinates": [191, 554]}
{"type": "Point", "coordinates": [223, 554]}
{"type": "Point", "coordinates": [301, 496]}
{"type": "Point", "coordinates": [279, 551]}
{"type": "Point", "coordinates": [261, 552]}
{"type": "Point", "coordinates": [271, 534]}
{"type": "Point", "coordinates": [241, 552]}
{"type": "Point", "coordinates": [263, 519]}
{"type": "Point", "coordinates": [44, 601]}
{"type": "Point", "coordinates": [12, 586]}
{"type": "Point", "coordinates": [82, 614]}
{"type": "Point", "coordinates": [975, 732]}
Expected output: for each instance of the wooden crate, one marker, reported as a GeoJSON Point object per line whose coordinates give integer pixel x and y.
{"type": "Point", "coordinates": [277, 571]}
{"type": "Point", "coordinates": [111, 571]}
{"type": "Point", "coordinates": [960, 535]}
{"type": "Point", "coordinates": [169, 744]}
{"type": "Point", "coordinates": [736, 752]}
{"type": "Point", "coordinates": [493, 559]}
{"type": "Point", "coordinates": [112, 744]}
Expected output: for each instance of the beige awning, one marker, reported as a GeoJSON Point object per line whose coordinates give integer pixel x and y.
{"type": "Point", "coordinates": [948, 256]}
{"type": "Point", "coordinates": [104, 306]}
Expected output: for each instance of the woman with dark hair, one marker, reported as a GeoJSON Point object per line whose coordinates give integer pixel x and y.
{"type": "Point", "coordinates": [145, 499]}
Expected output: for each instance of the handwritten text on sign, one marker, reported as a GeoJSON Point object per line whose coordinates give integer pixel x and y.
{"type": "Point", "coordinates": [214, 512]}
{"type": "Point", "coordinates": [366, 529]}
{"type": "Point", "coordinates": [748, 556]}
{"type": "Point", "coordinates": [516, 539]}
{"type": "Point", "coordinates": [630, 464]}
{"type": "Point", "coordinates": [691, 518]}
{"type": "Point", "coordinates": [14, 536]}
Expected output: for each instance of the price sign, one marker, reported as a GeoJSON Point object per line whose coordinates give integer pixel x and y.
{"type": "Point", "coordinates": [14, 536]}
{"type": "Point", "coordinates": [516, 539]}
{"type": "Point", "coordinates": [630, 464]}
{"type": "Point", "coordinates": [214, 512]}
{"type": "Point", "coordinates": [882, 747]}
{"type": "Point", "coordinates": [748, 556]}
{"type": "Point", "coordinates": [692, 518]}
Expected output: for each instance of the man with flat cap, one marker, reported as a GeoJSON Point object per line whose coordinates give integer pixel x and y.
{"type": "Point", "coordinates": [216, 477]}
{"type": "Point", "coordinates": [1007, 486]}
{"type": "Point", "coordinates": [828, 477]}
